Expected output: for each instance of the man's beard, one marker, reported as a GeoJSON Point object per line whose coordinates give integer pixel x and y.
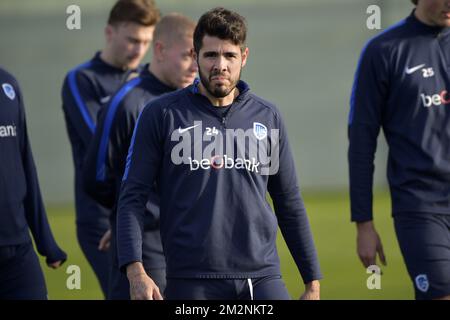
{"type": "Point", "coordinates": [218, 92]}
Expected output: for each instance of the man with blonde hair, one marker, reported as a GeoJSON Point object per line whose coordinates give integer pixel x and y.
{"type": "Point", "coordinates": [172, 67]}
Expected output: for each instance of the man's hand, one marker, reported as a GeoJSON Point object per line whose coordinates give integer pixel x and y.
{"type": "Point", "coordinates": [312, 291]}
{"type": "Point", "coordinates": [105, 241]}
{"type": "Point", "coordinates": [369, 244]}
{"type": "Point", "coordinates": [142, 287]}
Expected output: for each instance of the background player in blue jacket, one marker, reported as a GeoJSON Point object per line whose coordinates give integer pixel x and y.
{"type": "Point", "coordinates": [172, 67]}
{"type": "Point", "coordinates": [88, 88]}
{"type": "Point", "coordinates": [401, 85]}
{"type": "Point", "coordinates": [217, 228]}
{"type": "Point", "coordinates": [21, 207]}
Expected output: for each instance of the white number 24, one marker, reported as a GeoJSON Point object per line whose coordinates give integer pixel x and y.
{"type": "Point", "coordinates": [211, 131]}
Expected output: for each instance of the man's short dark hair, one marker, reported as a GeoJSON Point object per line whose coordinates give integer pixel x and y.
{"type": "Point", "coordinates": [223, 24]}
{"type": "Point", "coordinates": [142, 12]}
{"type": "Point", "coordinates": [415, 2]}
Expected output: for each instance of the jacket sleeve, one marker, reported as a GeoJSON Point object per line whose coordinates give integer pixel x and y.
{"type": "Point", "coordinates": [289, 208]}
{"type": "Point", "coordinates": [143, 162]}
{"type": "Point", "coordinates": [120, 137]}
{"type": "Point", "coordinates": [80, 106]}
{"type": "Point", "coordinates": [98, 181]}
{"type": "Point", "coordinates": [34, 208]}
{"type": "Point", "coordinates": [369, 94]}
{"type": "Point", "coordinates": [99, 177]}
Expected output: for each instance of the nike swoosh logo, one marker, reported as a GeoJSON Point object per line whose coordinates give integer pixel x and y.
{"type": "Point", "coordinates": [413, 69]}
{"type": "Point", "coordinates": [187, 129]}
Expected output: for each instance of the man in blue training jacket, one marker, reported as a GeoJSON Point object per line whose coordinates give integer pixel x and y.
{"type": "Point", "coordinates": [214, 149]}
{"type": "Point", "coordinates": [21, 207]}
{"type": "Point", "coordinates": [86, 90]}
{"type": "Point", "coordinates": [401, 85]}
{"type": "Point", "coordinates": [172, 67]}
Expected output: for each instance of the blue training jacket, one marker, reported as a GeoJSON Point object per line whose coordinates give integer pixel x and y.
{"type": "Point", "coordinates": [21, 206]}
{"type": "Point", "coordinates": [106, 157]}
{"type": "Point", "coordinates": [401, 85]}
{"type": "Point", "coordinates": [86, 90]}
{"type": "Point", "coordinates": [215, 219]}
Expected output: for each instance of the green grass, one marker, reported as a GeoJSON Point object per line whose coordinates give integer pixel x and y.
{"type": "Point", "coordinates": [62, 220]}
{"type": "Point", "coordinates": [334, 235]}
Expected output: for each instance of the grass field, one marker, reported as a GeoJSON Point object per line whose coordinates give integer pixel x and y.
{"type": "Point", "coordinates": [344, 276]}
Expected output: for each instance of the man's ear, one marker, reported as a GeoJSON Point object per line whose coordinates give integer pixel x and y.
{"type": "Point", "coordinates": [108, 33]}
{"type": "Point", "coordinates": [158, 51]}
{"type": "Point", "coordinates": [244, 56]}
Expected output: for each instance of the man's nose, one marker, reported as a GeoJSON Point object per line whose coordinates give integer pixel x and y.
{"type": "Point", "coordinates": [220, 63]}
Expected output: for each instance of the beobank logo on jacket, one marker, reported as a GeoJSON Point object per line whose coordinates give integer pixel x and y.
{"type": "Point", "coordinates": [254, 149]}
{"type": "Point", "coordinates": [437, 99]}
